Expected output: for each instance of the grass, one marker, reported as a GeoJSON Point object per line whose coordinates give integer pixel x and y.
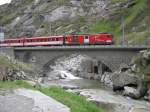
{"type": "Point", "coordinates": [74, 102]}
{"type": "Point", "coordinates": [101, 26]}
{"type": "Point", "coordinates": [113, 24]}
{"type": "Point", "coordinates": [15, 84]}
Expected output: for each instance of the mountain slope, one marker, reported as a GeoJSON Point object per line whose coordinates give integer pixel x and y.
{"type": "Point", "coordinates": [53, 17]}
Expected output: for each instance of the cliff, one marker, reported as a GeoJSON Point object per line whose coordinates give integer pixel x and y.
{"type": "Point", "coordinates": [54, 17]}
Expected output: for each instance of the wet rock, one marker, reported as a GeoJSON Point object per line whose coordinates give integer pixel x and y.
{"type": "Point", "coordinates": [71, 87]}
{"type": "Point", "coordinates": [132, 92]}
{"type": "Point", "coordinates": [139, 110]}
{"type": "Point", "coordinates": [75, 64]}
{"type": "Point", "coordinates": [106, 79]}
{"type": "Point", "coordinates": [112, 102]}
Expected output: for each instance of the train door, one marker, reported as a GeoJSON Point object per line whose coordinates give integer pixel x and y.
{"type": "Point", "coordinates": [75, 40]}
{"type": "Point", "coordinates": [86, 39]}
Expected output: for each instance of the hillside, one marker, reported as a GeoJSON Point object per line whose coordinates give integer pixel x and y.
{"type": "Point", "coordinates": [54, 17]}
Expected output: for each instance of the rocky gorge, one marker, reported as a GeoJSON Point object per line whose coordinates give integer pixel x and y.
{"type": "Point", "coordinates": [125, 89]}
{"type": "Point", "coordinates": [130, 83]}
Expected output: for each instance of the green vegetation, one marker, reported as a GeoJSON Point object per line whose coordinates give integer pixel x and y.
{"type": "Point", "coordinates": [136, 19]}
{"type": "Point", "coordinates": [14, 84]}
{"type": "Point", "coordinates": [7, 19]}
{"type": "Point", "coordinates": [143, 64]}
{"type": "Point", "coordinates": [101, 26]}
{"type": "Point", "coordinates": [73, 101]}
{"type": "Point", "coordinates": [61, 2]}
{"type": "Point", "coordinates": [136, 28]}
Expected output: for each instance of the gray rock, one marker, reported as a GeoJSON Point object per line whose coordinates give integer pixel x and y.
{"type": "Point", "coordinates": [147, 96]}
{"type": "Point", "coordinates": [69, 87]}
{"type": "Point", "coordinates": [3, 73]}
{"type": "Point", "coordinates": [124, 67]}
{"type": "Point", "coordinates": [124, 78]}
{"type": "Point", "coordinates": [112, 102]}
{"type": "Point", "coordinates": [106, 79]}
{"type": "Point", "coordinates": [16, 103]}
{"type": "Point", "coordinates": [132, 92]}
{"type": "Point", "coordinates": [23, 100]}
{"type": "Point", "coordinates": [66, 12]}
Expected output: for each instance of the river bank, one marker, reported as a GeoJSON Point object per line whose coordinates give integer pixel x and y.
{"type": "Point", "coordinates": [38, 99]}
{"type": "Point", "coordinates": [102, 96]}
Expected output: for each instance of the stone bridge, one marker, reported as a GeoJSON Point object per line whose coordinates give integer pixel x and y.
{"type": "Point", "coordinates": [111, 56]}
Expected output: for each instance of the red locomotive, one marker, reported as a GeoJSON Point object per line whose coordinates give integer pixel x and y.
{"type": "Point", "coordinates": [82, 39]}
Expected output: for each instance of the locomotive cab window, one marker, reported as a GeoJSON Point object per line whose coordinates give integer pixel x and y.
{"type": "Point", "coordinates": [86, 37]}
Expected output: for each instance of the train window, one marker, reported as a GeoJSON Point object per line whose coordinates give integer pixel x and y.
{"type": "Point", "coordinates": [53, 39]}
{"type": "Point", "coordinates": [46, 39]}
{"type": "Point", "coordinates": [109, 36]}
{"type": "Point", "coordinates": [57, 39]}
{"type": "Point", "coordinates": [86, 37]}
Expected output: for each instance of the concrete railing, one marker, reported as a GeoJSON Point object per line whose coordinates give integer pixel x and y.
{"type": "Point", "coordinates": [85, 47]}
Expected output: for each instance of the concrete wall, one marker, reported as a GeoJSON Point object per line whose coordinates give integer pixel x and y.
{"type": "Point", "coordinates": [110, 57]}
{"type": "Point", "coordinates": [8, 51]}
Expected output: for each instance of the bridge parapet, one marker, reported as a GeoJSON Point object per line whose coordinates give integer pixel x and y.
{"type": "Point", "coordinates": [105, 47]}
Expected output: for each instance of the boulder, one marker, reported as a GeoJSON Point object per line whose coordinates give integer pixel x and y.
{"type": "Point", "coordinates": [123, 79]}
{"type": "Point", "coordinates": [132, 92]}
{"type": "Point", "coordinates": [147, 97]}
{"type": "Point", "coordinates": [130, 84]}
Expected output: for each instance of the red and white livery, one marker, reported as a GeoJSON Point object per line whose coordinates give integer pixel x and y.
{"type": "Point", "coordinates": [81, 39]}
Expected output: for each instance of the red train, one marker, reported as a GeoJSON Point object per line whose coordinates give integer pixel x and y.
{"type": "Point", "coordinates": [83, 39]}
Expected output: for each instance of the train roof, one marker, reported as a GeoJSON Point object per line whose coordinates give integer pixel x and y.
{"type": "Point", "coordinates": [33, 37]}
{"type": "Point", "coordinates": [90, 33]}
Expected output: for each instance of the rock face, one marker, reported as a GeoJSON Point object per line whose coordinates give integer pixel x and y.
{"type": "Point", "coordinates": [133, 80]}
{"type": "Point", "coordinates": [53, 17]}
{"type": "Point", "coordinates": [38, 17]}
{"type": "Point", "coordinates": [75, 64]}
{"type": "Point", "coordinates": [3, 73]}
{"type": "Point", "coordinates": [11, 69]}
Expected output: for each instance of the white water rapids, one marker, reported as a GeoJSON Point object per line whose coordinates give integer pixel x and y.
{"type": "Point", "coordinates": [67, 75]}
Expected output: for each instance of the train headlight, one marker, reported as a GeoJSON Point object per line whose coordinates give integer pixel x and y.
{"type": "Point", "coordinates": [108, 41]}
